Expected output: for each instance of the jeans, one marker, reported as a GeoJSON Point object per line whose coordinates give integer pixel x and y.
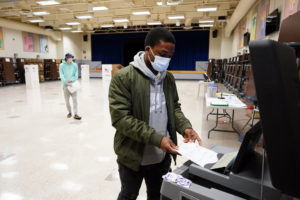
{"type": "Point", "coordinates": [131, 181]}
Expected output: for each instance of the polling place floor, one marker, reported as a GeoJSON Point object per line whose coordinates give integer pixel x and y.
{"type": "Point", "coordinates": [52, 157]}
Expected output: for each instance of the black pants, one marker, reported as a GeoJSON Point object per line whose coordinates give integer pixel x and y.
{"type": "Point", "coordinates": [131, 181]}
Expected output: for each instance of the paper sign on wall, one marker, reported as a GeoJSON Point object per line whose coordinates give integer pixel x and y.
{"type": "Point", "coordinates": [106, 71]}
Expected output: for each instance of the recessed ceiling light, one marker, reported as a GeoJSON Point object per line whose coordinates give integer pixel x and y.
{"type": "Point", "coordinates": [205, 21]}
{"type": "Point", "coordinates": [100, 8]}
{"type": "Point", "coordinates": [154, 23]}
{"type": "Point", "coordinates": [47, 3]}
{"type": "Point", "coordinates": [84, 17]}
{"type": "Point", "coordinates": [205, 25]}
{"type": "Point", "coordinates": [35, 20]}
{"type": "Point", "coordinates": [176, 17]}
{"type": "Point", "coordinates": [65, 28]}
{"type": "Point", "coordinates": [77, 31]}
{"type": "Point", "coordinates": [206, 9]}
{"type": "Point", "coordinates": [107, 25]}
{"type": "Point", "coordinates": [159, 3]}
{"type": "Point", "coordinates": [72, 23]}
{"type": "Point", "coordinates": [41, 13]}
{"type": "Point", "coordinates": [141, 13]}
{"type": "Point", "coordinates": [120, 20]}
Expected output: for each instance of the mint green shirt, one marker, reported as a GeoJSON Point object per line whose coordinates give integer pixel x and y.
{"type": "Point", "coordinates": [68, 71]}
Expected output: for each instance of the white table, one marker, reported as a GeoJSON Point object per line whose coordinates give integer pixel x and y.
{"type": "Point", "coordinates": [234, 103]}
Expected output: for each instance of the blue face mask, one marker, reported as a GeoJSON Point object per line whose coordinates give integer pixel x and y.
{"type": "Point", "coordinates": [160, 64]}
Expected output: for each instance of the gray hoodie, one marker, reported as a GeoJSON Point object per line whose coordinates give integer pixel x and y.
{"type": "Point", "coordinates": [158, 118]}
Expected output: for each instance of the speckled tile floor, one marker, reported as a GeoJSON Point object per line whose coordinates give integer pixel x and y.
{"type": "Point", "coordinates": [46, 156]}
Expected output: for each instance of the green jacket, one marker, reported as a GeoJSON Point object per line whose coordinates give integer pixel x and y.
{"type": "Point", "coordinates": [129, 104]}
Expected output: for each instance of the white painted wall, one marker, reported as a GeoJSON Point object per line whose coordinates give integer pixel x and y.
{"type": "Point", "coordinates": [226, 46]}
{"type": "Point", "coordinates": [87, 49]}
{"type": "Point", "coordinates": [13, 43]}
{"type": "Point", "coordinates": [215, 44]}
{"type": "Point", "coordinates": [72, 43]}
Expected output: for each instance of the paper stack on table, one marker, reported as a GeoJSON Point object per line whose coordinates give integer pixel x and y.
{"type": "Point", "coordinates": [219, 102]}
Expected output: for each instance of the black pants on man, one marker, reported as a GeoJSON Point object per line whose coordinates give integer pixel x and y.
{"type": "Point", "coordinates": [131, 181]}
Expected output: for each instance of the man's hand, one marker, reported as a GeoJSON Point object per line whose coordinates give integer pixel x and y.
{"type": "Point", "coordinates": [167, 145]}
{"type": "Point", "coordinates": [69, 84]}
{"type": "Point", "coordinates": [191, 136]}
{"type": "Point", "coordinates": [68, 80]}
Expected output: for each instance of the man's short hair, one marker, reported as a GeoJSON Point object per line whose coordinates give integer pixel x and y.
{"type": "Point", "coordinates": [157, 34]}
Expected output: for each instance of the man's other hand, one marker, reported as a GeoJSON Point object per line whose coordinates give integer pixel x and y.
{"type": "Point", "coordinates": [191, 136]}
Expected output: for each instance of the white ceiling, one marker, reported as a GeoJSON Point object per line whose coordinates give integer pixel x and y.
{"type": "Point", "coordinates": [67, 11]}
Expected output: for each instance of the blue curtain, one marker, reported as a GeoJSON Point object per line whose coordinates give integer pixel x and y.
{"type": "Point", "coordinates": [191, 46]}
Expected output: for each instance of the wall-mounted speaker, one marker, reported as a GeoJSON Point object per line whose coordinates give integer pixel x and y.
{"type": "Point", "coordinates": [215, 33]}
{"type": "Point", "coordinates": [85, 38]}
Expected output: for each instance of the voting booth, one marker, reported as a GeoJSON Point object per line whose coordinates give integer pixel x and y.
{"type": "Point", "coordinates": [32, 76]}
{"type": "Point", "coordinates": [271, 174]}
{"type": "Point", "coordinates": [85, 73]}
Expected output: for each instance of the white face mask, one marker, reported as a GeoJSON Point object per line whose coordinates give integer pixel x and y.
{"type": "Point", "coordinates": [69, 60]}
{"type": "Point", "coordinates": [160, 64]}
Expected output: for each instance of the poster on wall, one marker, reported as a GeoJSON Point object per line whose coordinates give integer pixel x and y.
{"type": "Point", "coordinates": [291, 7]}
{"type": "Point", "coordinates": [43, 44]}
{"type": "Point", "coordinates": [1, 40]}
{"type": "Point", "coordinates": [28, 39]}
{"type": "Point", "coordinates": [259, 18]}
{"type": "Point", "coordinates": [254, 23]}
{"type": "Point", "coordinates": [242, 30]}
{"type": "Point", "coordinates": [35, 43]}
{"type": "Point", "coordinates": [264, 10]}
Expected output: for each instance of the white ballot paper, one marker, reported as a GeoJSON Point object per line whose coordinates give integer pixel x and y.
{"type": "Point", "coordinates": [198, 154]}
{"type": "Point", "coordinates": [75, 87]}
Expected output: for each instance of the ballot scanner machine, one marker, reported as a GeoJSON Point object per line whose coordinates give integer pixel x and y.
{"type": "Point", "coordinates": [273, 174]}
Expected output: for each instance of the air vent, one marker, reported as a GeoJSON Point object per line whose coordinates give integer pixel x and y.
{"type": "Point", "coordinates": [25, 12]}
{"type": "Point", "coordinates": [48, 28]}
{"type": "Point", "coordinates": [222, 19]}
